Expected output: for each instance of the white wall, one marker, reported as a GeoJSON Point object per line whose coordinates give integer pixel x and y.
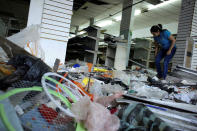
{"type": "Point", "coordinates": [35, 12]}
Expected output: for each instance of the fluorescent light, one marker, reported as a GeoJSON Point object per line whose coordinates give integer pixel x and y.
{"type": "Point", "coordinates": [137, 12]}
{"type": "Point", "coordinates": [151, 7]}
{"type": "Point", "coordinates": [71, 35]}
{"type": "Point", "coordinates": [104, 23]}
{"type": "Point", "coordinates": [82, 32]}
{"type": "Point", "coordinates": [118, 18]}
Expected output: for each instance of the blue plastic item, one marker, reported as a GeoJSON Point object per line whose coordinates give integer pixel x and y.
{"type": "Point", "coordinates": [76, 65]}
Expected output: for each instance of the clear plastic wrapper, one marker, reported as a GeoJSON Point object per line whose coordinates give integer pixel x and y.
{"type": "Point", "coordinates": [123, 76]}
{"type": "Point", "coordinates": [107, 100]}
{"type": "Point", "coordinates": [148, 91]}
{"type": "Point", "coordinates": [101, 89]}
{"type": "Point", "coordinates": [109, 89]}
{"type": "Point", "coordinates": [96, 89]}
{"type": "Point", "coordinates": [187, 97]}
{"type": "Point", "coordinates": [29, 39]}
{"type": "Point", "coordinates": [138, 77]}
{"type": "Point", "coordinates": [95, 116]}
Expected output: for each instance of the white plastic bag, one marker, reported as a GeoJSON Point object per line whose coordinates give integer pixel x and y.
{"type": "Point", "coordinates": [186, 97]}
{"type": "Point", "coordinates": [29, 39]}
{"type": "Point", "coordinates": [95, 116]}
{"type": "Point", "coordinates": [123, 76]}
{"type": "Point", "coordinates": [148, 91]}
{"type": "Point", "coordinates": [96, 89]}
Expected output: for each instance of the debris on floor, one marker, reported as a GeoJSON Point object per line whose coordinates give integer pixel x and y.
{"type": "Point", "coordinates": [81, 96]}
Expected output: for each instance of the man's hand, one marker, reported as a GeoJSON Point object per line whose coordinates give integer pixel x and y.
{"type": "Point", "coordinates": [169, 52]}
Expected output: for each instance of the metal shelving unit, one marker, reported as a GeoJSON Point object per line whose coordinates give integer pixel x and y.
{"type": "Point", "coordinates": [144, 51]}
{"type": "Point", "coordinates": [110, 55]}
{"type": "Point", "coordinates": [87, 45]}
{"type": "Point", "coordinates": [92, 41]}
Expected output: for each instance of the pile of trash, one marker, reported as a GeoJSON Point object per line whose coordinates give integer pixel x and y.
{"type": "Point", "coordinates": [81, 96]}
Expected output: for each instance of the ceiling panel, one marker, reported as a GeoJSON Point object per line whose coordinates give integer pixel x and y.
{"type": "Point", "coordinates": [176, 3]}
{"type": "Point", "coordinates": [163, 15]}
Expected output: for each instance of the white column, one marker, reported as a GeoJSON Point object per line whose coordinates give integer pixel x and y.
{"type": "Point", "coordinates": [123, 50]}
{"type": "Point", "coordinates": [187, 27]}
{"type": "Point", "coordinates": [54, 18]}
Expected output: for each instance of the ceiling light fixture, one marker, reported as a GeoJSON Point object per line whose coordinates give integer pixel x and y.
{"type": "Point", "coordinates": [72, 35]}
{"type": "Point", "coordinates": [118, 18]}
{"type": "Point", "coordinates": [104, 23]}
{"type": "Point", "coordinates": [82, 32]}
{"type": "Point", "coordinates": [137, 12]}
{"type": "Point", "coordinates": [151, 7]}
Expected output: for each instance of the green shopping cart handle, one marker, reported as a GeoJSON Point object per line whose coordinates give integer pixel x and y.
{"type": "Point", "coordinates": [67, 90]}
{"type": "Point", "coordinates": [35, 88]}
{"type": "Point", "coordinates": [80, 126]}
{"type": "Point", "coordinates": [5, 119]}
{"type": "Point", "coordinates": [15, 91]}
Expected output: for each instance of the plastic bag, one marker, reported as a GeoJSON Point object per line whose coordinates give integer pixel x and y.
{"type": "Point", "coordinates": [96, 89]}
{"type": "Point", "coordinates": [29, 39]}
{"type": "Point", "coordinates": [136, 76]}
{"type": "Point", "coordinates": [32, 67]}
{"type": "Point", "coordinates": [94, 116]}
{"type": "Point", "coordinates": [28, 68]}
{"type": "Point", "coordinates": [109, 89]}
{"type": "Point", "coordinates": [148, 91]}
{"type": "Point", "coordinates": [106, 100]}
{"type": "Point", "coordinates": [190, 97]}
{"type": "Point", "coordinates": [123, 76]}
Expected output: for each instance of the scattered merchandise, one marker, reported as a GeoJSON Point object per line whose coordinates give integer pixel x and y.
{"type": "Point", "coordinates": [148, 91]}
{"type": "Point", "coordinates": [188, 97]}
{"type": "Point", "coordinates": [81, 96]}
{"type": "Point", "coordinates": [95, 116]}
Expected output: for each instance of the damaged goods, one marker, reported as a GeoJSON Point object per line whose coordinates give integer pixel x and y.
{"type": "Point", "coordinates": [81, 96]}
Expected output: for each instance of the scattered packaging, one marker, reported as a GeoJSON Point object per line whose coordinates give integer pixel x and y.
{"type": "Point", "coordinates": [94, 116]}
{"type": "Point", "coordinates": [29, 39]}
{"type": "Point", "coordinates": [188, 97]}
{"type": "Point", "coordinates": [148, 91]}
{"type": "Point", "coordinates": [123, 76]}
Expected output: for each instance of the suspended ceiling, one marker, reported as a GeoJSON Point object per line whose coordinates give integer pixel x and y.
{"type": "Point", "coordinates": [164, 15]}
